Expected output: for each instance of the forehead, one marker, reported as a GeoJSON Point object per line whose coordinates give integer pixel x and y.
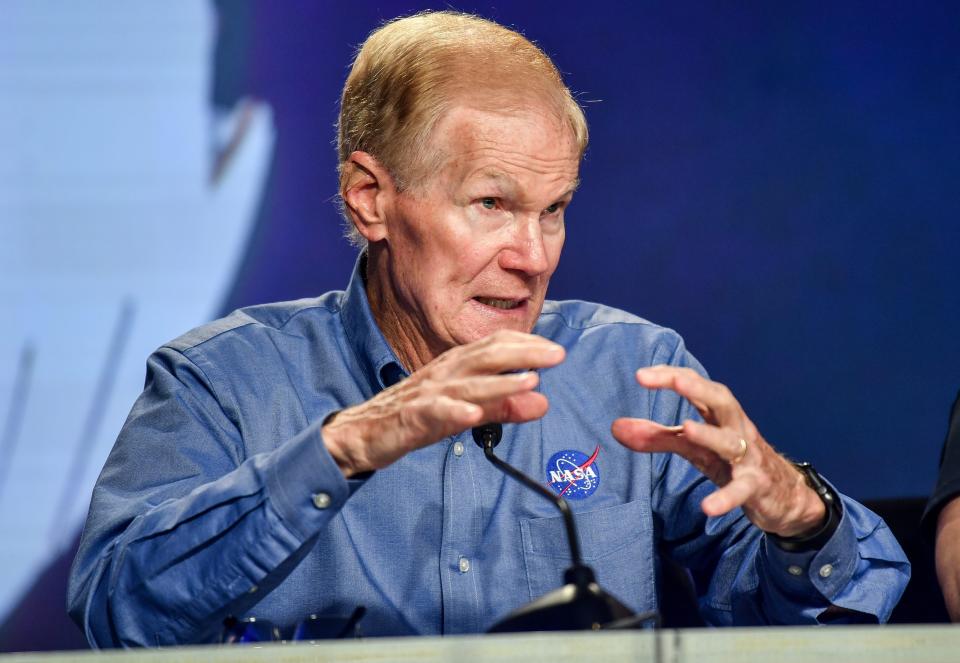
{"type": "Point", "coordinates": [525, 144]}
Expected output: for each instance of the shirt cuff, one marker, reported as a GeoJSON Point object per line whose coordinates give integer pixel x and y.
{"type": "Point", "coordinates": [304, 483]}
{"type": "Point", "coordinates": [823, 572]}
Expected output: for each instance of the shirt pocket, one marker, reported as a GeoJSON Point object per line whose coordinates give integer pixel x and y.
{"type": "Point", "coordinates": [616, 541]}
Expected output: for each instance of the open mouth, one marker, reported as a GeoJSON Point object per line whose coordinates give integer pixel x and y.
{"type": "Point", "coordinates": [503, 304]}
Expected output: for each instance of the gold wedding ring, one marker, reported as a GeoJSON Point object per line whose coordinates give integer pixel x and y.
{"type": "Point", "coordinates": [743, 452]}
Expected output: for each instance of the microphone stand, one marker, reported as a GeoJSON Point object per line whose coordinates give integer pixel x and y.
{"type": "Point", "coordinates": [581, 604]}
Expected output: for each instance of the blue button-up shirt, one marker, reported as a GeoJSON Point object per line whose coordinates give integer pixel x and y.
{"type": "Point", "coordinates": [220, 497]}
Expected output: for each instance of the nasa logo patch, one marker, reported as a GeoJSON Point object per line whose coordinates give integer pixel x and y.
{"type": "Point", "coordinates": [573, 474]}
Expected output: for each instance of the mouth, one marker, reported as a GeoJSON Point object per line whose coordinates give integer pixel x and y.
{"type": "Point", "coordinates": [502, 304]}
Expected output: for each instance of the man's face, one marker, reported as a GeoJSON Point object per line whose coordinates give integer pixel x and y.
{"type": "Point", "coordinates": [471, 249]}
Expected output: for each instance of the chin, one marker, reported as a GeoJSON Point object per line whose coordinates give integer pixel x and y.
{"type": "Point", "coordinates": [479, 331]}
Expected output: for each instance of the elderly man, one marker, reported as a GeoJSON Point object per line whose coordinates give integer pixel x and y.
{"type": "Point", "coordinates": [313, 456]}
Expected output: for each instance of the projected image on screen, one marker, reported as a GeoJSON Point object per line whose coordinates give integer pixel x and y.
{"type": "Point", "coordinates": [126, 203]}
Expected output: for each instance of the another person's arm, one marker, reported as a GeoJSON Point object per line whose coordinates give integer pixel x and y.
{"type": "Point", "coordinates": [942, 516]}
{"type": "Point", "coordinates": [948, 556]}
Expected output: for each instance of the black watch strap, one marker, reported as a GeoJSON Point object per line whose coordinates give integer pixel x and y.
{"type": "Point", "coordinates": [830, 500]}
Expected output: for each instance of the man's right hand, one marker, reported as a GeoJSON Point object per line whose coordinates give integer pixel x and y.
{"type": "Point", "coordinates": [462, 388]}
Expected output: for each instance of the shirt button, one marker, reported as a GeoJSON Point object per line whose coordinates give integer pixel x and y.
{"type": "Point", "coordinates": [794, 570]}
{"type": "Point", "coordinates": [458, 448]}
{"type": "Point", "coordinates": [464, 565]}
{"type": "Point", "coordinates": [253, 590]}
{"type": "Point", "coordinates": [826, 570]}
{"type": "Point", "coordinates": [321, 500]}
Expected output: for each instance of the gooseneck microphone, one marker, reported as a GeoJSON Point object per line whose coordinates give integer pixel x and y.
{"type": "Point", "coordinates": [580, 604]}
{"type": "Point", "coordinates": [487, 437]}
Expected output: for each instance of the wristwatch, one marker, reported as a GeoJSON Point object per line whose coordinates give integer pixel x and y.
{"type": "Point", "coordinates": [834, 509]}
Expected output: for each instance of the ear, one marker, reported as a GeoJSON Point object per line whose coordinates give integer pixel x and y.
{"type": "Point", "coordinates": [366, 188]}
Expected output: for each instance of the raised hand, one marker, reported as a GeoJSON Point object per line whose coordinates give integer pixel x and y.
{"type": "Point", "coordinates": [730, 451]}
{"type": "Point", "coordinates": [465, 386]}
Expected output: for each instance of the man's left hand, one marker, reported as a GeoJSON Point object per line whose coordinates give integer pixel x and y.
{"type": "Point", "coordinates": [730, 451]}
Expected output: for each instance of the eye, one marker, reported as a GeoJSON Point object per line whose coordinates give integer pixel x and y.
{"type": "Point", "coordinates": [489, 203]}
{"type": "Point", "coordinates": [553, 208]}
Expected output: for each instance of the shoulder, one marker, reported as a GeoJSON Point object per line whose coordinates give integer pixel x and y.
{"type": "Point", "coordinates": [261, 323]}
{"type": "Point", "coordinates": [578, 314]}
{"type": "Point", "coordinates": [574, 322]}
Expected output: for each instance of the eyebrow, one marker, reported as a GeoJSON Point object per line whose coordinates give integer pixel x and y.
{"type": "Point", "coordinates": [506, 182]}
{"type": "Point", "coordinates": [500, 177]}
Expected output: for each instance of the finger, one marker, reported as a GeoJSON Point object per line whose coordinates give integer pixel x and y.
{"type": "Point", "coordinates": [503, 353]}
{"type": "Point", "coordinates": [444, 416]}
{"type": "Point", "coordinates": [734, 494]}
{"type": "Point", "coordinates": [713, 400]}
{"type": "Point", "coordinates": [650, 437]}
{"type": "Point", "coordinates": [518, 408]}
{"type": "Point", "coordinates": [450, 415]}
{"type": "Point", "coordinates": [723, 442]}
{"type": "Point", "coordinates": [645, 435]}
{"type": "Point", "coordinates": [480, 389]}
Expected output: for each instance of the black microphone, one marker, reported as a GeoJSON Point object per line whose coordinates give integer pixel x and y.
{"type": "Point", "coordinates": [580, 604]}
{"type": "Point", "coordinates": [487, 437]}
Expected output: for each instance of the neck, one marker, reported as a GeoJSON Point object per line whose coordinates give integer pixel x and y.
{"type": "Point", "coordinates": [401, 331]}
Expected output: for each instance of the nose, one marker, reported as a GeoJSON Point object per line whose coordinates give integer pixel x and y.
{"type": "Point", "coordinates": [526, 251]}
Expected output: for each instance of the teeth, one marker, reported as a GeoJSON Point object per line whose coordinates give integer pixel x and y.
{"type": "Point", "coordinates": [505, 304]}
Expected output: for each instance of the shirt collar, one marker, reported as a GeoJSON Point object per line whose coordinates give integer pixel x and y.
{"type": "Point", "coordinates": [374, 354]}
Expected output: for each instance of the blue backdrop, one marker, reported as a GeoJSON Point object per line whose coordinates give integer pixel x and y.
{"type": "Point", "coordinates": [778, 182]}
